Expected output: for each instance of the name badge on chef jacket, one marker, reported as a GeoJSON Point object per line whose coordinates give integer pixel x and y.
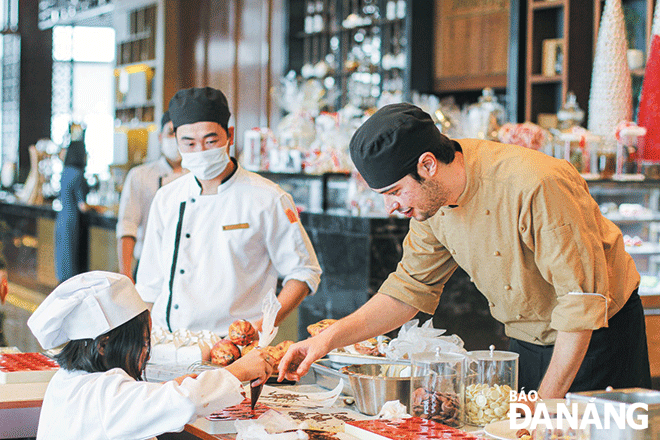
{"type": "Point", "coordinates": [236, 226]}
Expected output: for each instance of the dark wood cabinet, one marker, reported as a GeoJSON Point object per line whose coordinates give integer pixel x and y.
{"type": "Point", "coordinates": [471, 45]}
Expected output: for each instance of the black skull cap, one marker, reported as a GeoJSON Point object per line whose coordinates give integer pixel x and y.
{"type": "Point", "coordinates": [387, 146]}
{"type": "Point", "coordinates": [199, 104]}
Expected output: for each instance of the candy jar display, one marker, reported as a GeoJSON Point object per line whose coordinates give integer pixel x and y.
{"type": "Point", "coordinates": [627, 134]}
{"type": "Point", "coordinates": [483, 119]}
{"type": "Point", "coordinates": [606, 160]}
{"type": "Point", "coordinates": [490, 377]}
{"type": "Point", "coordinates": [437, 390]}
{"type": "Point", "coordinates": [570, 114]}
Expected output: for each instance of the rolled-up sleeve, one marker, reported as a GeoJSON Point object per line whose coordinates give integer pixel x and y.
{"type": "Point", "coordinates": [591, 307]}
{"type": "Point", "coordinates": [420, 276]}
{"type": "Point", "coordinates": [289, 246]}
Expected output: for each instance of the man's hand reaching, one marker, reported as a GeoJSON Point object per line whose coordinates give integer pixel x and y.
{"type": "Point", "coordinates": [300, 356]}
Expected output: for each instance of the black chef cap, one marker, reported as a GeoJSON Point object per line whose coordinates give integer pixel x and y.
{"type": "Point", "coordinates": [165, 119]}
{"type": "Point", "coordinates": [387, 146]}
{"type": "Point", "coordinates": [204, 104]}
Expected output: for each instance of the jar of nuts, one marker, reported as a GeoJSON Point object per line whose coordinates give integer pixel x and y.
{"type": "Point", "coordinates": [436, 391]}
{"type": "Point", "coordinates": [490, 377]}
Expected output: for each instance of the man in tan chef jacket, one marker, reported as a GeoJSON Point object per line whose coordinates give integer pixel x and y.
{"type": "Point", "coordinates": [534, 242]}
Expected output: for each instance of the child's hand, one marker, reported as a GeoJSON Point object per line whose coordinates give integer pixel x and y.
{"type": "Point", "coordinates": [257, 364]}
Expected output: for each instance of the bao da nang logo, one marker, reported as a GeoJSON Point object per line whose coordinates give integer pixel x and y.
{"type": "Point", "coordinates": [574, 416]}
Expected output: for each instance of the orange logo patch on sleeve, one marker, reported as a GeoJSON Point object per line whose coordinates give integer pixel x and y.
{"type": "Point", "coordinates": [291, 215]}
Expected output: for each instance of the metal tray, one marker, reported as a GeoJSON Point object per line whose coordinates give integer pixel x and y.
{"type": "Point", "coordinates": [344, 359]}
{"type": "Point", "coordinates": [326, 375]}
{"type": "Point", "coordinates": [626, 396]}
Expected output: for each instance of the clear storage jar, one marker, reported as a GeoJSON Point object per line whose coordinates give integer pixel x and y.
{"type": "Point", "coordinates": [490, 377]}
{"type": "Point", "coordinates": [437, 390]}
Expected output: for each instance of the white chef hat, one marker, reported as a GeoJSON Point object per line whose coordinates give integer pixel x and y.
{"type": "Point", "coordinates": [84, 307]}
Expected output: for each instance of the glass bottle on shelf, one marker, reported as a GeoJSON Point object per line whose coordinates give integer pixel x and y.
{"type": "Point", "coordinates": [309, 18]}
{"type": "Point", "coordinates": [484, 118]}
{"type": "Point", "coordinates": [390, 10]}
{"type": "Point", "coordinates": [570, 113]}
{"type": "Point", "coordinates": [401, 9]}
{"type": "Point", "coordinates": [370, 8]}
{"type": "Point", "coordinates": [319, 24]}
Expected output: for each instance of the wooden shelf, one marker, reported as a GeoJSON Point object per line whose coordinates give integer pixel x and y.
{"type": "Point", "coordinates": [146, 104]}
{"type": "Point", "coordinates": [547, 4]}
{"type": "Point", "coordinates": [474, 83]}
{"type": "Point", "coordinates": [571, 22]}
{"type": "Point", "coordinates": [150, 63]}
{"type": "Point", "coordinates": [138, 36]}
{"type": "Point", "coordinates": [541, 79]}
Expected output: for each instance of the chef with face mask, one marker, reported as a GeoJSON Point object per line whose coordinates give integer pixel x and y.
{"type": "Point", "coordinates": [140, 187]}
{"type": "Point", "coordinates": [219, 237]}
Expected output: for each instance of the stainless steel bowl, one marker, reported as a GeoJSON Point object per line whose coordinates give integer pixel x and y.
{"type": "Point", "coordinates": [375, 384]}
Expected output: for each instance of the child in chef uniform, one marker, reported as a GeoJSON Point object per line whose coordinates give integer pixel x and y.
{"type": "Point", "coordinates": [99, 393]}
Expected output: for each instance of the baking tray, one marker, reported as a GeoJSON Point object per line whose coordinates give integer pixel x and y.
{"type": "Point", "coordinates": [327, 375]}
{"type": "Point", "coordinates": [26, 367]}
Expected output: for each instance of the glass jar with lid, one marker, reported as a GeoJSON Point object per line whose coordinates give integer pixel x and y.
{"type": "Point", "coordinates": [570, 114]}
{"type": "Point", "coordinates": [437, 390]}
{"type": "Point", "coordinates": [490, 377]}
{"type": "Point", "coordinates": [483, 119]}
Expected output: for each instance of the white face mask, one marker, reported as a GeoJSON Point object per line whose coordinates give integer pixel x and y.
{"type": "Point", "coordinates": [207, 164]}
{"type": "Point", "coordinates": [170, 149]}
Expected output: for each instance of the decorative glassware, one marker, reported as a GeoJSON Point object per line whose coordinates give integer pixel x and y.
{"type": "Point", "coordinates": [437, 390]}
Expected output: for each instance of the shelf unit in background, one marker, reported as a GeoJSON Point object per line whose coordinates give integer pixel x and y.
{"type": "Point", "coordinates": [136, 65]}
{"type": "Point", "coordinates": [319, 32]}
{"type": "Point", "coordinates": [570, 24]}
{"type": "Point", "coordinates": [139, 36]}
{"type": "Point", "coordinates": [65, 12]}
{"type": "Point", "coordinates": [646, 226]}
{"type": "Point", "coordinates": [647, 256]}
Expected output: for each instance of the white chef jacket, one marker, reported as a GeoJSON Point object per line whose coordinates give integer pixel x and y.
{"type": "Point", "coordinates": [140, 187]}
{"type": "Point", "coordinates": [209, 260]}
{"type": "Point", "coordinates": [113, 405]}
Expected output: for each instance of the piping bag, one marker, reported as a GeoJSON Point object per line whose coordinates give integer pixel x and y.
{"type": "Point", "coordinates": [269, 306]}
